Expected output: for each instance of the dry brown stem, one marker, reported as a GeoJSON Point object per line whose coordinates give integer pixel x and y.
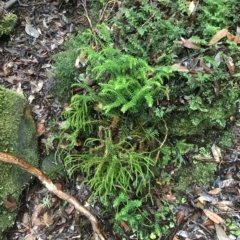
{"type": "Point", "coordinates": [7, 158]}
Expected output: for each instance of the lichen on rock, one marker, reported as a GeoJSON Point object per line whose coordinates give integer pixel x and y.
{"type": "Point", "coordinates": [18, 137]}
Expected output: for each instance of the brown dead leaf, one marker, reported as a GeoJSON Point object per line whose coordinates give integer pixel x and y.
{"type": "Point", "coordinates": [34, 219]}
{"type": "Point", "coordinates": [38, 87]}
{"type": "Point", "coordinates": [215, 191]}
{"type": "Point", "coordinates": [7, 68]}
{"type": "Point", "coordinates": [225, 209]}
{"type": "Point", "coordinates": [179, 68]}
{"type": "Point", "coordinates": [213, 216]}
{"type": "Point", "coordinates": [26, 61]}
{"type": "Point", "coordinates": [188, 43]}
{"type": "Point", "coordinates": [40, 129]}
{"type": "Point", "coordinates": [15, 78]}
{"type": "Point", "coordinates": [38, 222]}
{"type": "Point", "coordinates": [169, 197]}
{"type": "Point", "coordinates": [218, 36]}
{"type": "Point", "coordinates": [191, 7]}
{"type": "Point", "coordinates": [204, 66]}
{"type": "Point", "coordinates": [10, 203]}
{"type": "Point", "coordinates": [69, 209]}
{"type": "Point", "coordinates": [179, 218]}
{"type": "Point", "coordinates": [216, 151]}
{"type": "Point", "coordinates": [81, 60]}
{"type": "Point", "coordinates": [208, 223]}
{"type": "Point", "coordinates": [48, 221]}
{"type": "Point", "coordinates": [229, 183]}
{"type": "Point", "coordinates": [221, 234]}
{"type": "Point", "coordinates": [29, 237]}
{"type": "Point", "coordinates": [232, 118]}
{"type": "Point", "coordinates": [224, 203]}
{"type": "Point", "coordinates": [216, 88]}
{"type": "Point", "coordinates": [24, 227]}
{"type": "Point", "coordinates": [19, 88]}
{"type": "Point", "coordinates": [125, 226]}
{"type": "Point", "coordinates": [233, 38]}
{"type": "Point", "coordinates": [199, 205]}
{"type": "Point", "coordinates": [31, 98]}
{"type": "Point", "coordinates": [230, 64]}
{"type": "Point", "coordinates": [218, 59]}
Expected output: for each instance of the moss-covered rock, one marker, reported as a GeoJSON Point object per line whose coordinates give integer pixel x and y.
{"type": "Point", "coordinates": [18, 137]}
{"type": "Point", "coordinates": [7, 23]}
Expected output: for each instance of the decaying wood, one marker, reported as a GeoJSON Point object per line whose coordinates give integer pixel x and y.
{"type": "Point", "coordinates": [7, 158]}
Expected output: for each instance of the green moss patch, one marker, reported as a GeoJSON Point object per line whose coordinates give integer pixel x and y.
{"type": "Point", "coordinates": [200, 174]}
{"type": "Point", "coordinates": [18, 137]}
{"type": "Point", "coordinates": [7, 23]}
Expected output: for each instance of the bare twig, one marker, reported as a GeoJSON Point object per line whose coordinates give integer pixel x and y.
{"type": "Point", "coordinates": [164, 140]}
{"type": "Point", "coordinates": [7, 158]}
{"type": "Point", "coordinates": [83, 3]}
{"type": "Point", "coordinates": [102, 14]}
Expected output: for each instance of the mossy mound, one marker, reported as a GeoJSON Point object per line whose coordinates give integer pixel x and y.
{"type": "Point", "coordinates": [7, 23]}
{"type": "Point", "coordinates": [185, 123]}
{"type": "Point", "coordinates": [18, 137]}
{"type": "Point", "coordinates": [199, 174]}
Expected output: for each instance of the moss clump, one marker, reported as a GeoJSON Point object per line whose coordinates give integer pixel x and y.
{"type": "Point", "coordinates": [50, 168]}
{"type": "Point", "coordinates": [194, 123]}
{"type": "Point", "coordinates": [18, 137]}
{"type": "Point", "coordinates": [7, 23]}
{"type": "Point", "coordinates": [200, 174]}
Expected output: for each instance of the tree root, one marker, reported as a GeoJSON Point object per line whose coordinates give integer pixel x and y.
{"type": "Point", "coordinates": [7, 158]}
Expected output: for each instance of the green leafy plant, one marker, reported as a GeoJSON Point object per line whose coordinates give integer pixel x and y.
{"type": "Point", "coordinates": [128, 210]}
{"type": "Point", "coordinates": [141, 29]}
{"type": "Point", "coordinates": [119, 109]}
{"type": "Point", "coordinates": [113, 166]}
{"type": "Point", "coordinates": [232, 227]}
{"type": "Point", "coordinates": [133, 112]}
{"type": "Point", "coordinates": [141, 223]}
{"type": "Point", "coordinates": [46, 201]}
{"type": "Point", "coordinates": [132, 82]}
{"type": "Point", "coordinates": [215, 16]}
{"type": "Point", "coordinates": [126, 88]}
{"type": "Point", "coordinates": [225, 140]}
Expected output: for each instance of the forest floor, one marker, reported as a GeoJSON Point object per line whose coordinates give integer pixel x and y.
{"type": "Point", "coordinates": [25, 66]}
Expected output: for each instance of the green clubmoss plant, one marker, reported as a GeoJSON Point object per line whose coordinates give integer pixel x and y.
{"type": "Point", "coordinates": [141, 223]}
{"type": "Point", "coordinates": [125, 90]}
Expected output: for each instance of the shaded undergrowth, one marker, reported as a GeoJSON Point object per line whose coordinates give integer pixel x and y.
{"type": "Point", "coordinates": [140, 96]}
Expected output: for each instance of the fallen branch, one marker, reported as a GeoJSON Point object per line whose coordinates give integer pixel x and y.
{"type": "Point", "coordinates": [7, 158]}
